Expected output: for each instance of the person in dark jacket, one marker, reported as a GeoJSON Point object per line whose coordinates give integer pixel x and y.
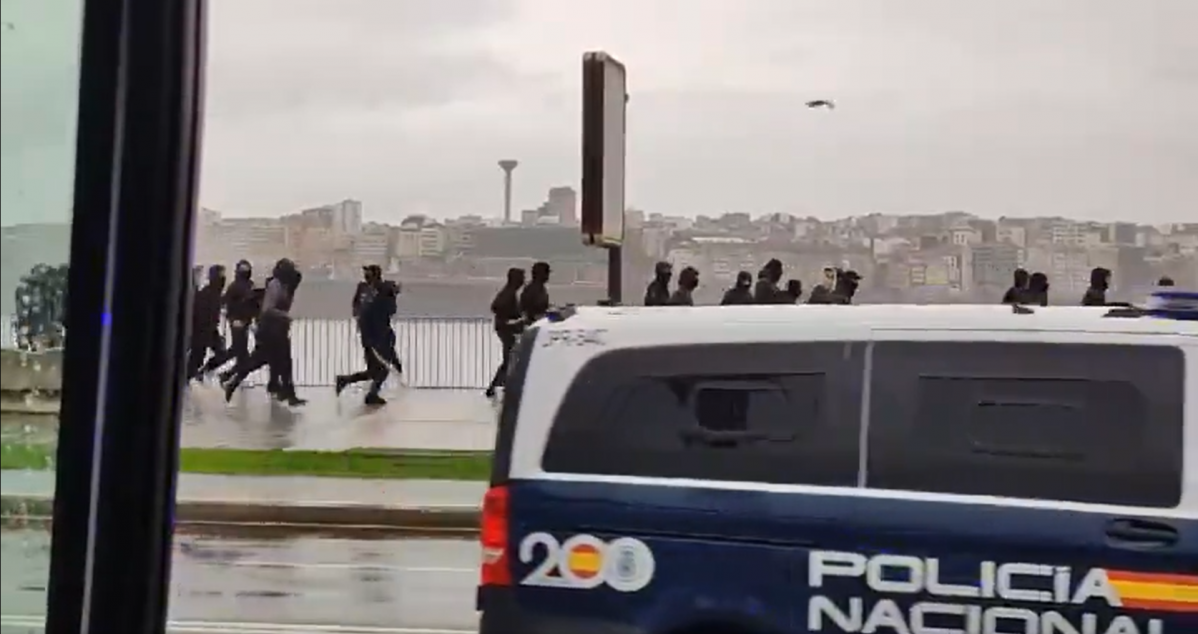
{"type": "Point", "coordinates": [1100, 282]}
{"type": "Point", "coordinates": [534, 299]}
{"type": "Point", "coordinates": [766, 290]}
{"type": "Point", "coordinates": [847, 283]}
{"type": "Point", "coordinates": [508, 324]}
{"type": "Point", "coordinates": [1018, 293]}
{"type": "Point", "coordinates": [205, 322]}
{"type": "Point", "coordinates": [273, 346]}
{"type": "Point", "coordinates": [1037, 289]}
{"type": "Point", "coordinates": [658, 291]}
{"type": "Point", "coordinates": [741, 293]}
{"type": "Point", "coordinates": [825, 291]}
{"type": "Point", "coordinates": [794, 290]}
{"type": "Point", "coordinates": [688, 281]}
{"type": "Point", "coordinates": [241, 307]}
{"type": "Point", "coordinates": [1165, 281]}
{"type": "Point", "coordinates": [374, 305]}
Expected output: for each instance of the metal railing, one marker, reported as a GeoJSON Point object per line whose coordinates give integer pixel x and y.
{"type": "Point", "coordinates": [437, 352]}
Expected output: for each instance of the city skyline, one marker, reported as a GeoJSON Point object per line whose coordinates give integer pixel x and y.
{"type": "Point", "coordinates": [1078, 108]}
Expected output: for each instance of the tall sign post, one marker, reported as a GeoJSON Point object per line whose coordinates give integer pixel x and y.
{"type": "Point", "coordinates": [604, 104]}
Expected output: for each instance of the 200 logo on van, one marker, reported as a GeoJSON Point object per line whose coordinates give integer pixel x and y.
{"type": "Point", "coordinates": [585, 562]}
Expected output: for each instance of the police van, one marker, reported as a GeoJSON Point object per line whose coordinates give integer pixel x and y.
{"type": "Point", "coordinates": [889, 469]}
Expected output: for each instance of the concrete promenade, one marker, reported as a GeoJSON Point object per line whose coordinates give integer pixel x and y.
{"type": "Point", "coordinates": [413, 420]}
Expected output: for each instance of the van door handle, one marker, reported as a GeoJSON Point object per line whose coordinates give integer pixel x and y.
{"type": "Point", "coordinates": [1137, 533]}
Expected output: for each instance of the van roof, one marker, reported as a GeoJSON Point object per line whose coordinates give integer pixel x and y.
{"type": "Point", "coordinates": [878, 316]}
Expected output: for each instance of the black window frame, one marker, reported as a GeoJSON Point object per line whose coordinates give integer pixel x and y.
{"type": "Point", "coordinates": [580, 439]}
{"type": "Point", "coordinates": [912, 451]}
{"type": "Point", "coordinates": [136, 160]}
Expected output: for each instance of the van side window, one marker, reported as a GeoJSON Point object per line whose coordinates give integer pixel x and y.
{"type": "Point", "coordinates": [775, 413]}
{"type": "Point", "coordinates": [1074, 422]}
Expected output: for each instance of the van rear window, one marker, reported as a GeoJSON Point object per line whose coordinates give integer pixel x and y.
{"type": "Point", "coordinates": [777, 413]}
{"type": "Point", "coordinates": [1075, 422]}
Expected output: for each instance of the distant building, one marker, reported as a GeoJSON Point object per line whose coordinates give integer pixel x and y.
{"type": "Point", "coordinates": [563, 203]}
{"type": "Point", "coordinates": [421, 237]}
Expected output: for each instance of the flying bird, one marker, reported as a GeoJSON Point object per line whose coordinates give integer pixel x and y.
{"type": "Point", "coordinates": [821, 103]}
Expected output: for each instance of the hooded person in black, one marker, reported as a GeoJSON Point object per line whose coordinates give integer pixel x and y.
{"type": "Point", "coordinates": [1100, 282]}
{"type": "Point", "coordinates": [658, 291]}
{"type": "Point", "coordinates": [794, 290]}
{"type": "Point", "coordinates": [766, 291]}
{"type": "Point", "coordinates": [534, 299]}
{"type": "Point", "coordinates": [241, 308]}
{"type": "Point", "coordinates": [741, 293]}
{"type": "Point", "coordinates": [1018, 293]}
{"type": "Point", "coordinates": [847, 283]}
{"type": "Point", "coordinates": [374, 305]}
{"type": "Point", "coordinates": [688, 281]}
{"type": "Point", "coordinates": [508, 324]}
{"type": "Point", "coordinates": [825, 291]}
{"type": "Point", "coordinates": [205, 322]}
{"type": "Point", "coordinates": [1037, 289]}
{"type": "Point", "coordinates": [273, 345]}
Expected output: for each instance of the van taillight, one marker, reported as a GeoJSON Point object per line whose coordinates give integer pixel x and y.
{"type": "Point", "coordinates": [494, 538]}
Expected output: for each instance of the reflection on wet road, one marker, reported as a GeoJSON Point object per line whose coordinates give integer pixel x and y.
{"type": "Point", "coordinates": [409, 586]}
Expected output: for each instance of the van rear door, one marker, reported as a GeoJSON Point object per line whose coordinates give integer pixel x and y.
{"type": "Point", "coordinates": [1017, 485]}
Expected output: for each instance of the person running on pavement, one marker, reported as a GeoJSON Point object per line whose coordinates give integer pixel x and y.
{"type": "Point", "coordinates": [241, 307]}
{"type": "Point", "coordinates": [766, 291]}
{"type": "Point", "coordinates": [375, 306]}
{"type": "Point", "coordinates": [534, 299]}
{"type": "Point", "coordinates": [658, 291]}
{"type": "Point", "coordinates": [1018, 293]}
{"type": "Point", "coordinates": [741, 292]}
{"type": "Point", "coordinates": [688, 281]}
{"type": "Point", "coordinates": [205, 323]}
{"type": "Point", "coordinates": [508, 324]}
{"type": "Point", "coordinates": [274, 336]}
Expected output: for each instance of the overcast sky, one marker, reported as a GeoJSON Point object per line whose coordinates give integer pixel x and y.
{"type": "Point", "coordinates": [1085, 108]}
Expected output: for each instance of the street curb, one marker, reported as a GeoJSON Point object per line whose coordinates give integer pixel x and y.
{"type": "Point", "coordinates": [344, 516]}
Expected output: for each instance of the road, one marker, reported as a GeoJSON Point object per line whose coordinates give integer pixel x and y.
{"type": "Point", "coordinates": [255, 586]}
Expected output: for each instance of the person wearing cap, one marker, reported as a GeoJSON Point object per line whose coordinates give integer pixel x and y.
{"type": "Point", "coordinates": [374, 306]}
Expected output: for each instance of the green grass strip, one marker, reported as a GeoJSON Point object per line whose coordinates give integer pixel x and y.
{"type": "Point", "coordinates": [279, 462]}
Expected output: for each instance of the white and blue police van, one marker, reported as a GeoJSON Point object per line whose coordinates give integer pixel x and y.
{"type": "Point", "coordinates": [872, 469]}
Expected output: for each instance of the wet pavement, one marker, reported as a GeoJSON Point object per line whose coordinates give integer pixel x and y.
{"type": "Point", "coordinates": [293, 585]}
{"type": "Point", "coordinates": [288, 490]}
{"type": "Point", "coordinates": [413, 419]}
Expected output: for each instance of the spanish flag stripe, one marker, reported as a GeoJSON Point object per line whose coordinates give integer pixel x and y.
{"type": "Point", "coordinates": [1129, 590]}
{"type": "Point", "coordinates": [1160, 606]}
{"type": "Point", "coordinates": [1117, 576]}
{"type": "Point", "coordinates": [584, 561]}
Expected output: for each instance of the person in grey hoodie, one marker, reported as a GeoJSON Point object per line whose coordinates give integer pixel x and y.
{"type": "Point", "coordinates": [274, 335]}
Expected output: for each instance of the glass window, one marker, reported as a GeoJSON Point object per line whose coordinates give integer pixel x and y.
{"type": "Point", "coordinates": [40, 43]}
{"type": "Point", "coordinates": [1085, 423]}
{"type": "Point", "coordinates": [779, 413]}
